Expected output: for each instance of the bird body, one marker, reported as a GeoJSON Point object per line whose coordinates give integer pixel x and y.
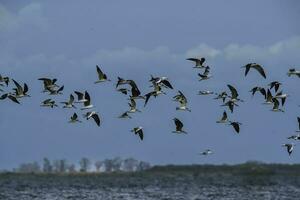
{"type": "Point", "coordinates": [206, 152]}
{"type": "Point", "coordinates": [289, 148]}
{"type": "Point", "coordinates": [101, 76]}
{"type": "Point", "coordinates": [293, 71]}
{"type": "Point", "coordinates": [224, 118]}
{"type": "Point", "coordinates": [198, 62]}
{"type": "Point", "coordinates": [138, 130]}
{"type": "Point", "coordinates": [179, 126]}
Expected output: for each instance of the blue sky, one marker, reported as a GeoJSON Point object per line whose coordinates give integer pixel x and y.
{"type": "Point", "coordinates": [134, 39]}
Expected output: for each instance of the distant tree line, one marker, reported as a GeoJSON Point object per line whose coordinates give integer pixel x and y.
{"type": "Point", "coordinates": [85, 165]}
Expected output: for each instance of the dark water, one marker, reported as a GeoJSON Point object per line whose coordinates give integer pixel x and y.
{"type": "Point", "coordinates": [150, 185]}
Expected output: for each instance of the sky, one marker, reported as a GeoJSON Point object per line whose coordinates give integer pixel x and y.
{"type": "Point", "coordinates": [133, 40]}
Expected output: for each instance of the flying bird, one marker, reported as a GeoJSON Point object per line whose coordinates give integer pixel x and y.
{"type": "Point", "coordinates": [205, 92]}
{"type": "Point", "coordinates": [101, 76]}
{"type": "Point", "coordinates": [87, 104]}
{"type": "Point", "coordinates": [138, 130]}
{"type": "Point", "coordinates": [179, 126]}
{"type": "Point", "coordinates": [275, 85]}
{"type": "Point", "coordinates": [74, 119]}
{"type": "Point", "coordinates": [49, 84]}
{"type": "Point", "coordinates": [289, 148]}
{"type": "Point", "coordinates": [69, 103]}
{"type": "Point", "coordinates": [293, 71]}
{"type": "Point", "coordinates": [224, 118]}
{"type": "Point", "coordinates": [132, 106]}
{"type": "Point", "coordinates": [198, 62]}
{"type": "Point", "coordinates": [93, 115]}
{"type": "Point", "coordinates": [49, 103]}
{"type": "Point", "coordinates": [81, 97]}
{"type": "Point", "coordinates": [276, 106]}
{"type": "Point", "coordinates": [19, 90]}
{"type": "Point", "coordinates": [236, 126]}
{"type": "Point", "coordinates": [205, 75]}
{"type": "Point", "coordinates": [260, 89]}
{"type": "Point", "coordinates": [256, 66]}
{"type": "Point", "coordinates": [294, 137]}
{"type": "Point", "coordinates": [206, 152]}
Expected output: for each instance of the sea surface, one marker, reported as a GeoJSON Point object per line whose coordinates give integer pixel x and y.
{"type": "Point", "coordinates": [156, 184]}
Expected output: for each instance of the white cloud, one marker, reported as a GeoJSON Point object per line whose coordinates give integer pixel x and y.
{"type": "Point", "coordinates": [203, 50]}
{"type": "Point", "coordinates": [235, 52]}
{"type": "Point", "coordinates": [30, 15]}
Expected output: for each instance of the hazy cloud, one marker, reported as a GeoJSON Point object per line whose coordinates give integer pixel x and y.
{"type": "Point", "coordinates": [30, 15]}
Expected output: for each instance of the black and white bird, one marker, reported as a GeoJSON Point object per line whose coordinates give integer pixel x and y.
{"type": "Point", "coordinates": [138, 131]}
{"type": "Point", "coordinates": [179, 126]}
{"type": "Point", "coordinates": [101, 76]}
{"type": "Point", "coordinates": [81, 97]}
{"type": "Point", "coordinates": [294, 137]}
{"type": "Point", "coordinates": [205, 92]}
{"type": "Point", "coordinates": [289, 148]}
{"type": "Point", "coordinates": [282, 96]}
{"type": "Point", "coordinates": [275, 85]}
{"type": "Point", "coordinates": [198, 62]}
{"type": "Point", "coordinates": [49, 84]}
{"type": "Point", "coordinates": [294, 72]}
{"type": "Point", "coordinates": [69, 103]}
{"type": "Point", "coordinates": [74, 119]}
{"type": "Point", "coordinates": [260, 89]}
{"type": "Point", "coordinates": [49, 103]}
{"type": "Point", "coordinates": [20, 91]}
{"type": "Point", "coordinates": [161, 81]}
{"type": "Point", "coordinates": [93, 115]}
{"type": "Point", "coordinates": [87, 104]}
{"type": "Point", "coordinates": [234, 94]}
{"type": "Point", "coordinates": [276, 106]}
{"type": "Point", "coordinates": [206, 75]}
{"type": "Point", "coordinates": [256, 66]}
{"type": "Point", "coordinates": [224, 118]}
{"type": "Point", "coordinates": [223, 95]}
{"type": "Point", "coordinates": [269, 98]}
{"type": "Point", "coordinates": [206, 152]}
{"type": "Point", "coordinates": [236, 126]}
{"type": "Point", "coordinates": [132, 106]}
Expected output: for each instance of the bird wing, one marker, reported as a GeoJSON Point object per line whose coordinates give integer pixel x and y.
{"type": "Point", "coordinates": [14, 99]}
{"type": "Point", "coordinates": [260, 69]}
{"type": "Point", "coordinates": [79, 95]}
{"type": "Point", "coordinates": [25, 88]}
{"type": "Point", "coordinates": [71, 99]}
{"type": "Point", "coordinates": [100, 73]}
{"type": "Point", "coordinates": [224, 117]}
{"type": "Point", "coordinates": [88, 98]}
{"type": "Point", "coordinates": [96, 119]}
{"type": "Point", "coordinates": [19, 87]}
{"type": "Point", "coordinates": [247, 68]}
{"type": "Point", "coordinates": [234, 93]}
{"type": "Point", "coordinates": [236, 126]}
{"type": "Point", "coordinates": [178, 124]}
{"type": "Point", "coordinates": [141, 134]}
{"type": "Point", "coordinates": [167, 83]}
{"type": "Point", "coordinates": [298, 118]}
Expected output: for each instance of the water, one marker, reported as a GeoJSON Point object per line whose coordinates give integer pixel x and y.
{"type": "Point", "coordinates": [150, 185]}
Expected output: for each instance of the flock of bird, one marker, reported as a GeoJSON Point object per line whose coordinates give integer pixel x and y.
{"type": "Point", "coordinates": [229, 99]}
